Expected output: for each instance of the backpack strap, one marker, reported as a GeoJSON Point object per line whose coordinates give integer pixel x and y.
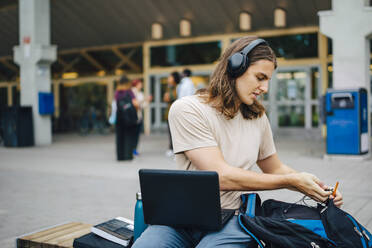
{"type": "Point", "coordinates": [251, 204]}
{"type": "Point", "coordinates": [240, 216]}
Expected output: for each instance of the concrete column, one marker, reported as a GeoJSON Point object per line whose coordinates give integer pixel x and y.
{"type": "Point", "coordinates": [10, 95]}
{"type": "Point", "coordinates": [273, 107]}
{"type": "Point", "coordinates": [349, 26]}
{"type": "Point", "coordinates": [323, 55]}
{"type": "Point", "coordinates": [110, 95]}
{"type": "Point", "coordinates": [146, 83]}
{"type": "Point", "coordinates": [226, 41]}
{"type": "Point", "coordinates": [34, 56]}
{"type": "Point", "coordinates": [307, 106]}
{"type": "Point", "coordinates": [57, 109]}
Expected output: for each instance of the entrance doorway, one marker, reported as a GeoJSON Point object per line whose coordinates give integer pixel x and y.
{"type": "Point", "coordinates": [292, 101]}
{"type": "Point", "coordinates": [293, 96]}
{"type": "Point", "coordinates": [158, 86]}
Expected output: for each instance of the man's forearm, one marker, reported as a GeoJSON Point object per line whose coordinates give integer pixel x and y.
{"type": "Point", "coordinates": [232, 178]}
{"type": "Point", "coordinates": [284, 169]}
{"type": "Point", "coordinates": [275, 176]}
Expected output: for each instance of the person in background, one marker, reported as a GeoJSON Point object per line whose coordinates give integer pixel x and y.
{"type": "Point", "coordinates": [143, 102]}
{"type": "Point", "coordinates": [112, 118]}
{"type": "Point", "coordinates": [169, 97]}
{"type": "Point", "coordinates": [186, 86]}
{"type": "Point", "coordinates": [125, 135]}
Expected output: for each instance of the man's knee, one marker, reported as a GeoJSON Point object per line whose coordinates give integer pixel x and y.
{"type": "Point", "coordinates": [160, 236]}
{"type": "Point", "coordinates": [230, 236]}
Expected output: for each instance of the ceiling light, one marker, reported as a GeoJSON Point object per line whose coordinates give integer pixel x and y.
{"type": "Point", "coordinates": [156, 31]}
{"type": "Point", "coordinates": [101, 73]}
{"type": "Point", "coordinates": [70, 75]}
{"type": "Point", "coordinates": [280, 18]}
{"type": "Point", "coordinates": [119, 72]}
{"type": "Point", "coordinates": [185, 27]}
{"type": "Point", "coordinates": [245, 21]}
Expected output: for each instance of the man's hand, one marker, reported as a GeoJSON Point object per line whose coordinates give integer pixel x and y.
{"type": "Point", "coordinates": [338, 200]}
{"type": "Point", "coordinates": [309, 185]}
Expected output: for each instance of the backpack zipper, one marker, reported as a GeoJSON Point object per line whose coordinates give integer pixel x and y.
{"type": "Point", "coordinates": [324, 209]}
{"type": "Point", "coordinates": [356, 229]}
{"type": "Point", "coordinates": [366, 235]}
{"type": "Point", "coordinates": [314, 245]}
{"type": "Point", "coordinates": [358, 232]}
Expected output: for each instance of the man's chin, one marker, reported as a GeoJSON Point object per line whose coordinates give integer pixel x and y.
{"type": "Point", "coordinates": [250, 102]}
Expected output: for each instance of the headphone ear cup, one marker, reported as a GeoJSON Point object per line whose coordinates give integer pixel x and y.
{"type": "Point", "coordinates": [237, 64]}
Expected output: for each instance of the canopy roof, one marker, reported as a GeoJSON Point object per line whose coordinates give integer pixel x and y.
{"type": "Point", "coordinates": [86, 23]}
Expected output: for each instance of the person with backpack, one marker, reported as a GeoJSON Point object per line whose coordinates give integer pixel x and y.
{"type": "Point", "coordinates": [126, 119]}
{"type": "Point", "coordinates": [224, 128]}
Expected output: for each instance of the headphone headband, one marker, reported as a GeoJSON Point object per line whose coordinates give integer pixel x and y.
{"type": "Point", "coordinates": [252, 45]}
{"type": "Point", "coordinates": [238, 63]}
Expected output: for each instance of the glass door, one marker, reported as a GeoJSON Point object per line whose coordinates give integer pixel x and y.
{"type": "Point", "coordinates": [292, 101]}
{"type": "Point", "coordinates": [158, 87]}
{"type": "Point", "coordinates": [158, 108]}
{"type": "Point", "coordinates": [293, 98]}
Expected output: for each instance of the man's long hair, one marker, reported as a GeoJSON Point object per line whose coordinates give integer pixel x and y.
{"type": "Point", "coordinates": [221, 92]}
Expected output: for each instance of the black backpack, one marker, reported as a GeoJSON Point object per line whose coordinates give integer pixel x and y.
{"type": "Point", "coordinates": [276, 224]}
{"type": "Point", "coordinates": [126, 114]}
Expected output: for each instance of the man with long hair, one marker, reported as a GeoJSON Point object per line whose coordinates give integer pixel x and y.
{"type": "Point", "coordinates": [225, 129]}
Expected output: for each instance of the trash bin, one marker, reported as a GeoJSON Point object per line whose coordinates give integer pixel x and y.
{"type": "Point", "coordinates": [18, 129]}
{"type": "Point", "coordinates": [347, 121]}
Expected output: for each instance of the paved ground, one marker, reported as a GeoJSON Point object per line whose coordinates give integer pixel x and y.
{"type": "Point", "coordinates": [78, 179]}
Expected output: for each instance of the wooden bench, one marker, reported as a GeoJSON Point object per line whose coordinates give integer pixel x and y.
{"type": "Point", "coordinates": [56, 237]}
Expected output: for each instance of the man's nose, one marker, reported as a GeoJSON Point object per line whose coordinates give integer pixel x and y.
{"type": "Point", "coordinates": [264, 87]}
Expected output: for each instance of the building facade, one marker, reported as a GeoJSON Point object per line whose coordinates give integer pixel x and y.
{"type": "Point", "coordinates": [84, 75]}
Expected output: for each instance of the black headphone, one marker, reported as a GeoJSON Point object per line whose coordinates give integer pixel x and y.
{"type": "Point", "coordinates": [238, 62]}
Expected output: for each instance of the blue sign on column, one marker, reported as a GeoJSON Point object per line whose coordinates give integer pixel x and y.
{"type": "Point", "coordinates": [46, 103]}
{"type": "Point", "coordinates": [347, 121]}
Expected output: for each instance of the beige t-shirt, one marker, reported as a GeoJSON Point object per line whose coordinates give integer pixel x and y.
{"type": "Point", "coordinates": [195, 124]}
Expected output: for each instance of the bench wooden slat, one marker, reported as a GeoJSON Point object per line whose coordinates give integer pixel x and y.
{"type": "Point", "coordinates": [58, 234]}
{"type": "Point", "coordinates": [50, 230]}
{"type": "Point", "coordinates": [69, 238]}
{"type": "Point", "coordinates": [61, 236]}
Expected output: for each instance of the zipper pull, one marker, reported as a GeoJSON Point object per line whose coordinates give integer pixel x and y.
{"type": "Point", "coordinates": [324, 209]}
{"type": "Point", "coordinates": [358, 232]}
{"type": "Point", "coordinates": [263, 243]}
{"type": "Point", "coordinates": [366, 235]}
{"type": "Point", "coordinates": [314, 245]}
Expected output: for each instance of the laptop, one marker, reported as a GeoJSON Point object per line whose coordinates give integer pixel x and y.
{"type": "Point", "coordinates": [182, 199]}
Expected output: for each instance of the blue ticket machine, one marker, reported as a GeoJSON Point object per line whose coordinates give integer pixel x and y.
{"type": "Point", "coordinates": [347, 121]}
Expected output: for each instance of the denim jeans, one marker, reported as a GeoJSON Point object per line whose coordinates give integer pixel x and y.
{"type": "Point", "coordinates": [231, 235]}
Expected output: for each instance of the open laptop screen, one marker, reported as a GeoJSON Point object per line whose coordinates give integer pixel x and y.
{"type": "Point", "coordinates": [179, 198]}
